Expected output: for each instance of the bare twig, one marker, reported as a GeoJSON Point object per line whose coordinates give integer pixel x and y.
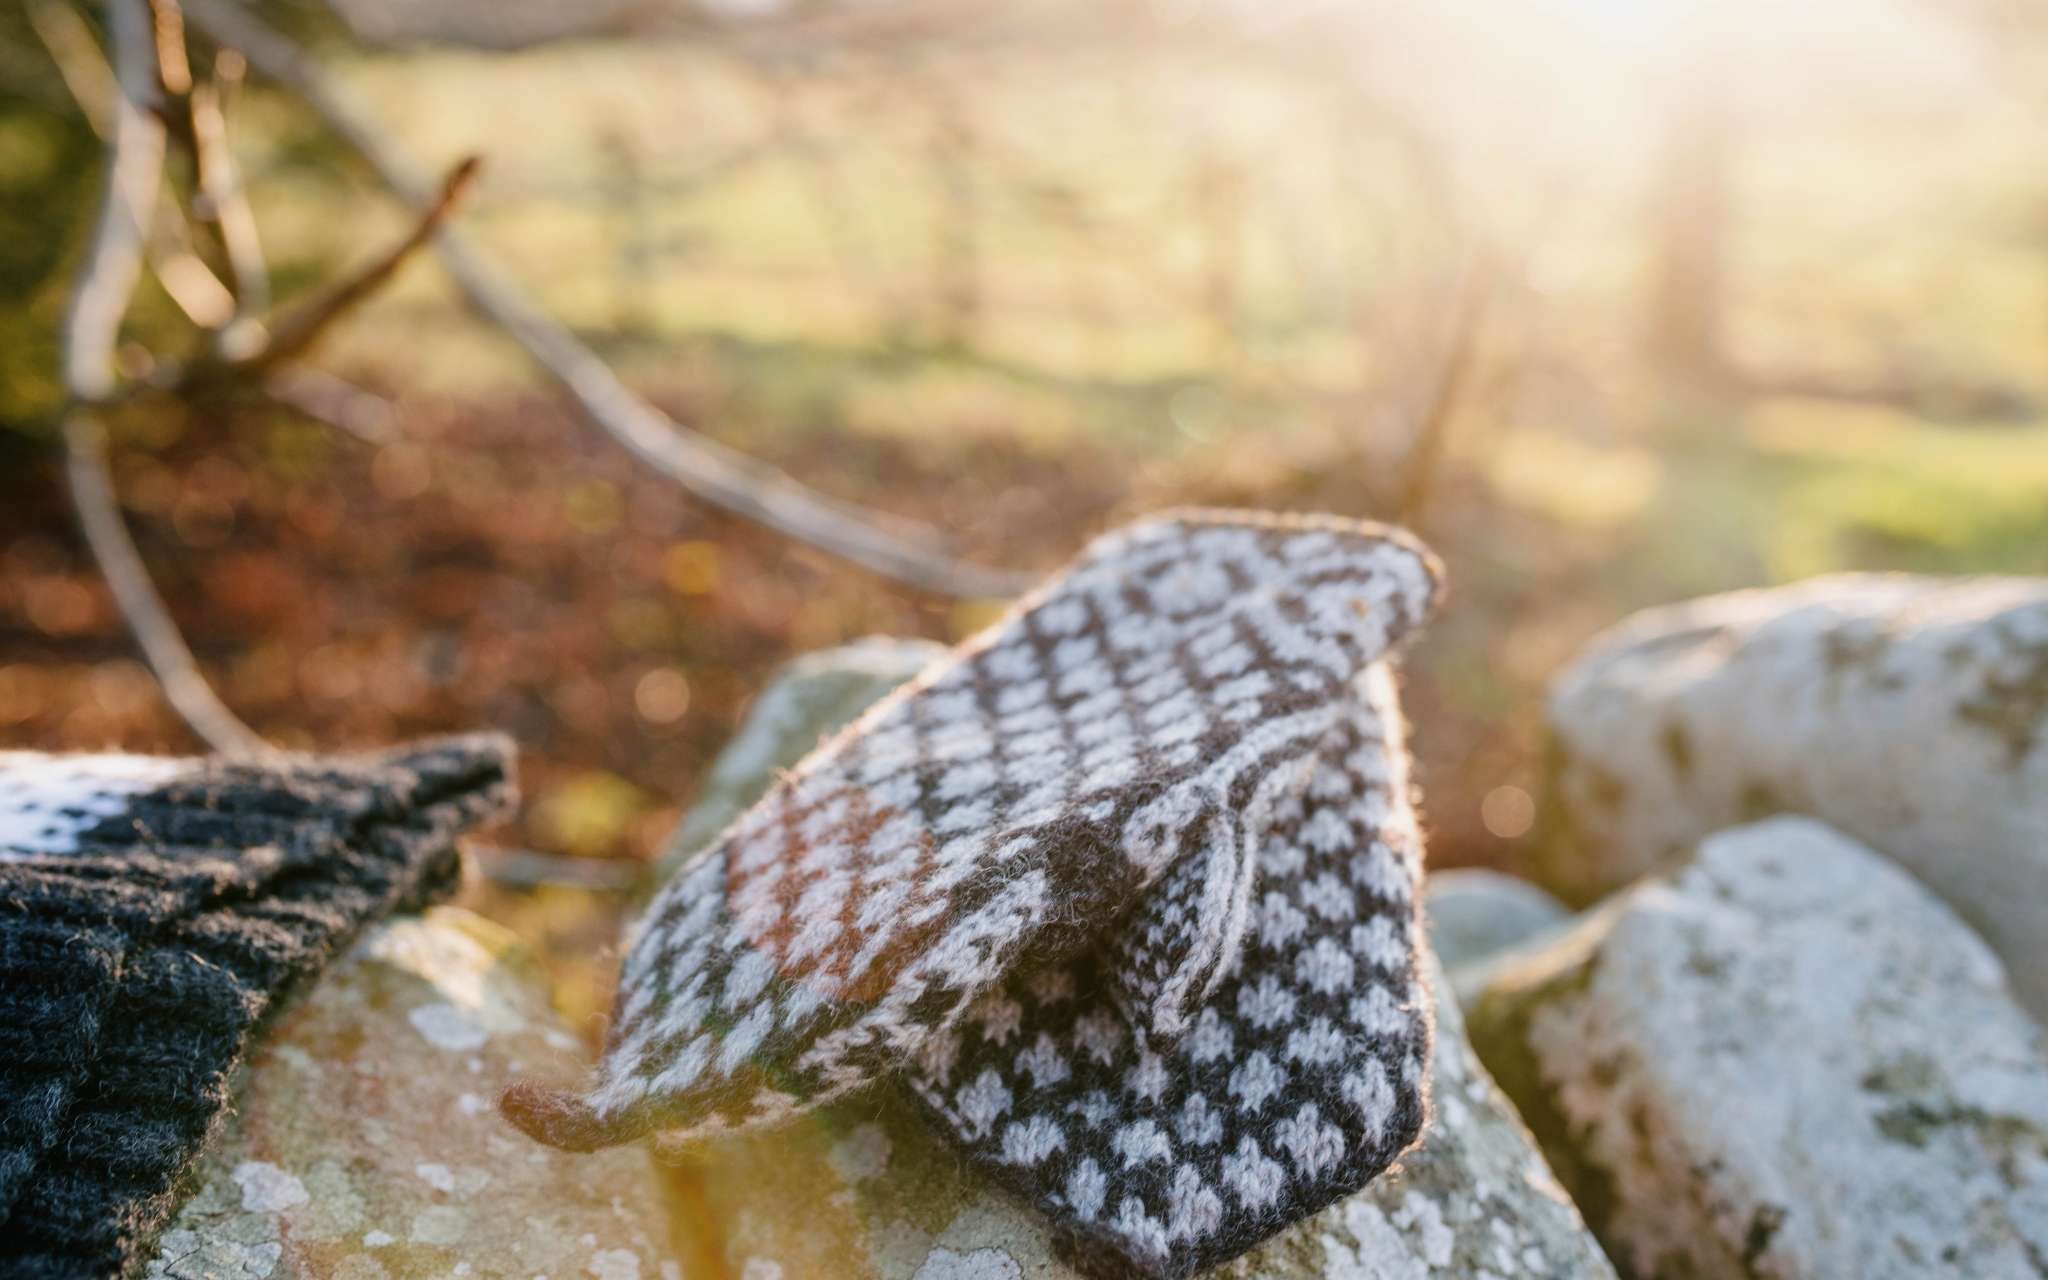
{"type": "Point", "coordinates": [167, 28]}
{"type": "Point", "coordinates": [99, 514]}
{"type": "Point", "coordinates": [199, 293]}
{"type": "Point", "coordinates": [106, 279]}
{"type": "Point", "coordinates": [84, 71]}
{"type": "Point", "coordinates": [340, 404]}
{"type": "Point", "coordinates": [226, 202]}
{"type": "Point", "coordinates": [703, 466]}
{"type": "Point", "coordinates": [134, 170]}
{"type": "Point", "coordinates": [186, 278]}
{"type": "Point", "coordinates": [193, 111]}
{"type": "Point", "coordinates": [296, 333]}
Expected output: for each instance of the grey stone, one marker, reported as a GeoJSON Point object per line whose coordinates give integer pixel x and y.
{"type": "Point", "coordinates": [1910, 713]}
{"type": "Point", "coordinates": [366, 1144]}
{"type": "Point", "coordinates": [805, 702]}
{"type": "Point", "coordinates": [1787, 1060]}
{"type": "Point", "coordinates": [1473, 914]}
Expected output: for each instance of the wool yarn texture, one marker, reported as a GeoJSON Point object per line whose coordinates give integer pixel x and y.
{"type": "Point", "coordinates": [152, 912]}
{"type": "Point", "coordinates": [1123, 893]}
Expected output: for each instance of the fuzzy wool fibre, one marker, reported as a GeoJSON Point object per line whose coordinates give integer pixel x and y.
{"type": "Point", "coordinates": [1123, 892]}
{"type": "Point", "coordinates": [152, 912]}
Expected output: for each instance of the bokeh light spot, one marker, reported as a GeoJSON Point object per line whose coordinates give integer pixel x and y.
{"type": "Point", "coordinates": [1508, 812]}
{"type": "Point", "coordinates": [662, 696]}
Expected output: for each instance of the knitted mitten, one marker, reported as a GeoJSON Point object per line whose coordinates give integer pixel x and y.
{"type": "Point", "coordinates": [1142, 845]}
{"type": "Point", "coordinates": [1301, 1078]}
{"type": "Point", "coordinates": [151, 912]}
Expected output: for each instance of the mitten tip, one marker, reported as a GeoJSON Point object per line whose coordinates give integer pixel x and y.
{"type": "Point", "coordinates": [555, 1117]}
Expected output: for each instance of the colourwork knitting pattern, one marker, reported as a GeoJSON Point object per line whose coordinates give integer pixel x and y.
{"type": "Point", "coordinates": [151, 913]}
{"type": "Point", "coordinates": [1302, 1077]}
{"type": "Point", "coordinates": [1124, 892]}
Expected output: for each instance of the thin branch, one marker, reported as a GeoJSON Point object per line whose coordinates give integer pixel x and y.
{"type": "Point", "coordinates": [296, 333]}
{"type": "Point", "coordinates": [173, 68]}
{"type": "Point", "coordinates": [227, 202]}
{"type": "Point", "coordinates": [703, 466]}
{"type": "Point", "coordinates": [325, 398]}
{"type": "Point", "coordinates": [83, 69]}
{"type": "Point", "coordinates": [149, 621]}
{"type": "Point", "coordinates": [186, 278]}
{"type": "Point", "coordinates": [248, 353]}
{"type": "Point", "coordinates": [134, 171]}
{"type": "Point", "coordinates": [200, 128]}
{"type": "Point", "coordinates": [106, 281]}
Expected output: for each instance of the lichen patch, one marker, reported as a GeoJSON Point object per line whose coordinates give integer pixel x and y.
{"type": "Point", "coordinates": [267, 1188]}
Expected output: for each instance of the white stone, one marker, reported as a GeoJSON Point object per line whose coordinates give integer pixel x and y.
{"type": "Point", "coordinates": [448, 1026]}
{"type": "Point", "coordinates": [863, 1155]}
{"type": "Point", "coordinates": [436, 1175]}
{"type": "Point", "coordinates": [267, 1188]}
{"type": "Point", "coordinates": [1909, 713]}
{"type": "Point", "coordinates": [614, 1264]}
{"type": "Point", "coordinates": [1473, 914]}
{"type": "Point", "coordinates": [1787, 1060]}
{"type": "Point", "coordinates": [359, 1149]}
{"type": "Point", "coordinates": [975, 1264]}
{"type": "Point", "coordinates": [188, 1255]}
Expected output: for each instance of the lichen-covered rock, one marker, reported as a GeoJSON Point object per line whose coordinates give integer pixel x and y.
{"type": "Point", "coordinates": [1788, 1060]}
{"type": "Point", "coordinates": [366, 1145]}
{"type": "Point", "coordinates": [863, 1191]}
{"type": "Point", "coordinates": [1910, 713]}
{"type": "Point", "coordinates": [806, 701]}
{"type": "Point", "coordinates": [1473, 914]}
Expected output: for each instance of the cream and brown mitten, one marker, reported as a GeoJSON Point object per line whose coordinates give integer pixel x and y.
{"type": "Point", "coordinates": [1123, 892]}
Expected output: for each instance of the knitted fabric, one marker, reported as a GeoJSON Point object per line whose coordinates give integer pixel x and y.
{"type": "Point", "coordinates": [1124, 892]}
{"type": "Point", "coordinates": [151, 912]}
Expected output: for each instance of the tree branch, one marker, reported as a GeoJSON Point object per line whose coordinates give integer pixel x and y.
{"type": "Point", "coordinates": [703, 466]}
{"type": "Point", "coordinates": [189, 282]}
{"type": "Point", "coordinates": [134, 171]}
{"type": "Point", "coordinates": [149, 621]}
{"type": "Point", "coordinates": [92, 324]}
{"type": "Point", "coordinates": [325, 398]}
{"type": "Point", "coordinates": [69, 42]}
{"type": "Point", "coordinates": [296, 333]}
{"type": "Point", "coordinates": [220, 184]}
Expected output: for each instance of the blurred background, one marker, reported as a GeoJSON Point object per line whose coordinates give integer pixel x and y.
{"type": "Point", "coordinates": [1614, 301]}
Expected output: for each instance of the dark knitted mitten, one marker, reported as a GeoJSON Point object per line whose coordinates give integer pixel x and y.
{"type": "Point", "coordinates": [151, 912]}
{"type": "Point", "coordinates": [1124, 892]}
